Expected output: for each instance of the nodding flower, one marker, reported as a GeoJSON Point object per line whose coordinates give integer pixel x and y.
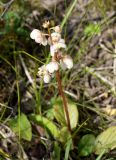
{"type": "Point", "coordinates": [66, 62]}
{"type": "Point", "coordinates": [39, 37]}
{"type": "Point", "coordinates": [55, 48]}
{"type": "Point", "coordinates": [52, 67]}
{"type": "Point", "coordinates": [47, 78]}
{"type": "Point", "coordinates": [43, 73]}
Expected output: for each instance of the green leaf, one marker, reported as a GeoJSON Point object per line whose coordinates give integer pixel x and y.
{"type": "Point", "coordinates": [106, 140]}
{"type": "Point", "coordinates": [86, 145]}
{"type": "Point", "coordinates": [21, 126]}
{"type": "Point", "coordinates": [64, 135]}
{"type": "Point", "coordinates": [60, 116]}
{"type": "Point", "coordinates": [47, 124]}
{"type": "Point", "coordinates": [50, 114]}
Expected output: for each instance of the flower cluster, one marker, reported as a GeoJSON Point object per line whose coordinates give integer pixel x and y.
{"type": "Point", "coordinates": [57, 46]}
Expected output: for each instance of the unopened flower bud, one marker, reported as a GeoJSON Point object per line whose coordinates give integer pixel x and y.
{"type": "Point", "coordinates": [57, 29]}
{"type": "Point", "coordinates": [46, 24]}
{"type": "Point", "coordinates": [46, 78]}
{"type": "Point", "coordinates": [52, 67]}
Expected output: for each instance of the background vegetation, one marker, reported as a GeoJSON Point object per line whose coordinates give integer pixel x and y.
{"type": "Point", "coordinates": [32, 123]}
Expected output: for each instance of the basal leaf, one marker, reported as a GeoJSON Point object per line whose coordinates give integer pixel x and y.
{"type": "Point", "coordinates": [106, 140]}
{"type": "Point", "coordinates": [64, 135]}
{"type": "Point", "coordinates": [46, 123]}
{"type": "Point", "coordinates": [60, 115]}
{"type": "Point", "coordinates": [86, 145]}
{"type": "Point", "coordinates": [21, 126]}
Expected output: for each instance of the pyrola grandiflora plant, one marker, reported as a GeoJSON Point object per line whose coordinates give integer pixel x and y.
{"type": "Point", "coordinates": [58, 58]}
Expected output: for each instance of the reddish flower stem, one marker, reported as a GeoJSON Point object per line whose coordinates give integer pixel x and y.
{"type": "Point", "coordinates": [64, 100]}
{"type": "Point", "coordinates": [61, 89]}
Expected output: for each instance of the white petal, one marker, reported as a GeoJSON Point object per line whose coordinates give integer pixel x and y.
{"type": "Point", "coordinates": [62, 41]}
{"type": "Point", "coordinates": [52, 66]}
{"type": "Point", "coordinates": [38, 40]}
{"type": "Point", "coordinates": [61, 45]}
{"type": "Point", "coordinates": [55, 37]}
{"type": "Point", "coordinates": [47, 78]}
{"type": "Point", "coordinates": [57, 29]}
{"type": "Point", "coordinates": [53, 49]}
{"type": "Point", "coordinates": [34, 33]}
{"type": "Point", "coordinates": [44, 42]}
{"type": "Point", "coordinates": [55, 34]}
{"type": "Point", "coordinates": [55, 65]}
{"type": "Point", "coordinates": [68, 62]}
{"type": "Point", "coordinates": [49, 68]}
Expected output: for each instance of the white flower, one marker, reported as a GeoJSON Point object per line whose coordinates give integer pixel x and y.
{"type": "Point", "coordinates": [52, 67]}
{"type": "Point", "coordinates": [42, 70]}
{"type": "Point", "coordinates": [43, 73]}
{"type": "Point", "coordinates": [61, 44]}
{"type": "Point", "coordinates": [39, 37]}
{"type": "Point", "coordinates": [57, 46]}
{"type": "Point", "coordinates": [66, 62]}
{"type": "Point", "coordinates": [47, 78]}
{"type": "Point", "coordinates": [55, 37]}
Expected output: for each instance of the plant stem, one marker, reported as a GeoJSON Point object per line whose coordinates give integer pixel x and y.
{"type": "Point", "coordinates": [61, 89]}
{"type": "Point", "coordinates": [64, 100]}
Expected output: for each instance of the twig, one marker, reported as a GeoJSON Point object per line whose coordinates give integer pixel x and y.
{"type": "Point", "coordinates": [6, 6]}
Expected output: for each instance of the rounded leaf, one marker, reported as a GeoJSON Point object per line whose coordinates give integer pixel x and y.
{"type": "Point", "coordinates": [46, 123]}
{"type": "Point", "coordinates": [21, 125]}
{"type": "Point", "coordinates": [106, 140]}
{"type": "Point", "coordinates": [60, 114]}
{"type": "Point", "coordinates": [86, 145]}
{"type": "Point", "coordinates": [64, 135]}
